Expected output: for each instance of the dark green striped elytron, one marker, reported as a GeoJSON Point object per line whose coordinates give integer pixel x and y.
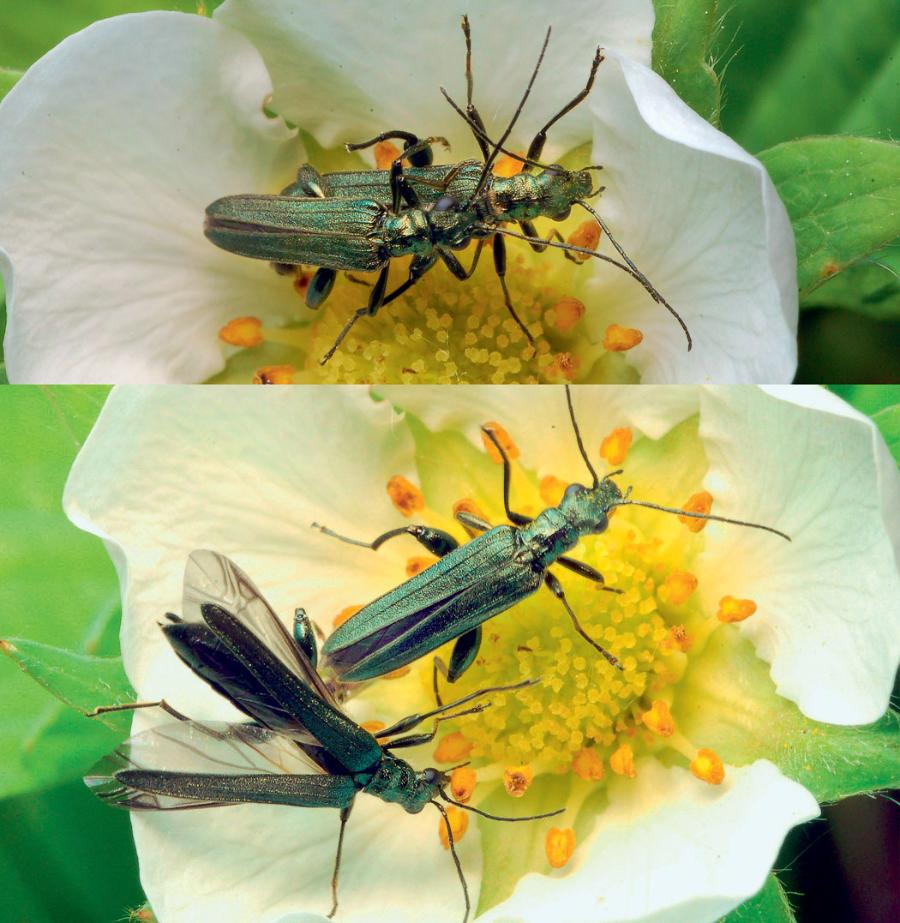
{"type": "Point", "coordinates": [361, 220]}
{"type": "Point", "coordinates": [299, 748]}
{"type": "Point", "coordinates": [473, 582]}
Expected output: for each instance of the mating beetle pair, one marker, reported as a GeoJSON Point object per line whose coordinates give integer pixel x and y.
{"type": "Point", "coordinates": [362, 220]}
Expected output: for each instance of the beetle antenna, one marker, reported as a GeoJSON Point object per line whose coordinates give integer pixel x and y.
{"type": "Point", "coordinates": [584, 454]}
{"type": "Point", "coordinates": [512, 820]}
{"type": "Point", "coordinates": [670, 509]}
{"type": "Point", "coordinates": [486, 172]}
{"type": "Point", "coordinates": [456, 862]}
{"type": "Point", "coordinates": [648, 285]}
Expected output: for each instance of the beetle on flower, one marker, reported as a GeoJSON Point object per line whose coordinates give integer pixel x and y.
{"type": "Point", "coordinates": [109, 276]}
{"type": "Point", "coordinates": [723, 633]}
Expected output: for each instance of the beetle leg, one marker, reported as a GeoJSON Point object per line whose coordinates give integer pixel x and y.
{"type": "Point", "coordinates": [131, 706]}
{"type": "Point", "coordinates": [416, 740]}
{"type": "Point", "coordinates": [471, 111]}
{"type": "Point", "coordinates": [515, 518]}
{"type": "Point", "coordinates": [456, 862]}
{"type": "Point", "coordinates": [345, 814]}
{"type": "Point", "coordinates": [529, 230]}
{"type": "Point", "coordinates": [436, 541]}
{"type": "Point", "coordinates": [418, 152]}
{"type": "Point", "coordinates": [556, 589]}
{"type": "Point", "coordinates": [585, 570]}
{"type": "Point", "coordinates": [500, 267]}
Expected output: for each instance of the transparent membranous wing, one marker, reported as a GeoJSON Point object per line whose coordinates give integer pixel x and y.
{"type": "Point", "coordinates": [210, 577]}
{"type": "Point", "coordinates": [233, 753]}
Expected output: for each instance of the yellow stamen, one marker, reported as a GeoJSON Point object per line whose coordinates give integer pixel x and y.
{"type": "Point", "coordinates": [559, 846]}
{"type": "Point", "coordinates": [552, 490]}
{"type": "Point", "coordinates": [345, 614]}
{"type": "Point", "coordinates": [505, 440]}
{"type": "Point", "coordinates": [453, 748]}
{"type": "Point", "coordinates": [707, 767]}
{"type": "Point", "coordinates": [565, 365]}
{"type": "Point", "coordinates": [567, 312]}
{"type": "Point", "coordinates": [416, 565]}
{"type": "Point", "coordinates": [677, 588]}
{"type": "Point", "coordinates": [373, 727]}
{"type": "Point", "coordinates": [459, 823]}
{"type": "Point", "coordinates": [735, 610]}
{"type": "Point", "coordinates": [622, 761]}
{"type": "Point", "coordinates": [516, 779]}
{"type": "Point", "coordinates": [405, 495]}
{"type": "Point", "coordinates": [275, 375]}
{"type": "Point", "coordinates": [677, 640]}
{"type": "Point", "coordinates": [588, 765]}
{"type": "Point", "coordinates": [620, 339]}
{"type": "Point", "coordinates": [615, 446]}
{"type": "Point", "coordinates": [659, 719]}
{"type": "Point", "coordinates": [586, 235]}
{"type": "Point", "coordinates": [507, 166]}
{"type": "Point", "coordinates": [385, 154]}
{"type": "Point", "coordinates": [242, 331]}
{"type": "Point", "coordinates": [698, 503]}
{"type": "Point", "coordinates": [462, 783]}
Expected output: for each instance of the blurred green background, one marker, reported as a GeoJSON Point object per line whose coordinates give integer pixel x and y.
{"type": "Point", "coordinates": [786, 69]}
{"type": "Point", "coordinates": [66, 857]}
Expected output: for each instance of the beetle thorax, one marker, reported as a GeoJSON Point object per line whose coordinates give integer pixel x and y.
{"type": "Point", "coordinates": [587, 509]}
{"type": "Point", "coordinates": [396, 781]}
{"type": "Point", "coordinates": [407, 233]}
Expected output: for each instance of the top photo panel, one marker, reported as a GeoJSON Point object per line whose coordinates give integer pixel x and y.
{"type": "Point", "coordinates": [656, 191]}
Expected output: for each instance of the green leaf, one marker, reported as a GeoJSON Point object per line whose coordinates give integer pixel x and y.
{"type": "Point", "coordinates": [769, 905]}
{"type": "Point", "coordinates": [821, 73]}
{"type": "Point", "coordinates": [867, 399]}
{"type": "Point", "coordinates": [683, 34]}
{"type": "Point", "coordinates": [870, 287]}
{"type": "Point", "coordinates": [81, 681]}
{"type": "Point", "coordinates": [877, 107]}
{"type": "Point", "coordinates": [740, 716]}
{"type": "Point", "coordinates": [8, 79]}
{"type": "Point", "coordinates": [888, 422]}
{"type": "Point", "coordinates": [57, 584]}
{"type": "Point", "coordinates": [843, 197]}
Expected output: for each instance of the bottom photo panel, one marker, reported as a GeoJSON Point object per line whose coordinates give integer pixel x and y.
{"type": "Point", "coordinates": [506, 654]}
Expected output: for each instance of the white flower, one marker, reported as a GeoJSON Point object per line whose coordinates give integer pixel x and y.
{"type": "Point", "coordinates": [114, 143]}
{"type": "Point", "coordinates": [164, 473]}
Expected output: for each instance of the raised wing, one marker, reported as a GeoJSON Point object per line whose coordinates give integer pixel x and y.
{"type": "Point", "coordinates": [463, 589]}
{"type": "Point", "coordinates": [211, 578]}
{"type": "Point", "coordinates": [192, 764]}
{"type": "Point", "coordinates": [330, 232]}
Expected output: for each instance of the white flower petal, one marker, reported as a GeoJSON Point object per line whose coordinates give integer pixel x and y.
{"type": "Point", "coordinates": [114, 144]}
{"type": "Point", "coordinates": [244, 472]}
{"type": "Point", "coordinates": [829, 602]}
{"type": "Point", "coordinates": [702, 220]}
{"type": "Point", "coordinates": [269, 863]}
{"type": "Point", "coordinates": [664, 850]}
{"type": "Point", "coordinates": [351, 70]}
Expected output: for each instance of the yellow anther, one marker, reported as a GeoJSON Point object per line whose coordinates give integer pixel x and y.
{"type": "Point", "coordinates": [505, 440]}
{"type": "Point", "coordinates": [385, 154]}
{"type": "Point", "coordinates": [615, 446]}
{"type": "Point", "coordinates": [586, 235]}
{"type": "Point", "coordinates": [659, 719]}
{"type": "Point", "coordinates": [698, 503]}
{"type": "Point", "coordinates": [559, 846]}
{"type": "Point", "coordinates": [468, 506]}
{"type": "Point", "coordinates": [405, 495]}
{"type": "Point", "coordinates": [453, 748]}
{"type": "Point", "coordinates": [242, 331]}
{"type": "Point", "coordinates": [396, 674]}
{"type": "Point", "coordinates": [677, 640]}
{"type": "Point", "coordinates": [459, 823]}
{"type": "Point", "coordinates": [275, 375]}
{"type": "Point", "coordinates": [552, 490]}
{"type": "Point", "coordinates": [416, 565]}
{"type": "Point", "coordinates": [735, 610]}
{"type": "Point", "coordinates": [622, 761]}
{"type": "Point", "coordinates": [345, 614]}
{"type": "Point", "coordinates": [620, 339]}
{"type": "Point", "coordinates": [588, 765]}
{"type": "Point", "coordinates": [565, 365]}
{"type": "Point", "coordinates": [462, 783]}
{"type": "Point", "coordinates": [677, 588]}
{"type": "Point", "coordinates": [567, 312]}
{"type": "Point", "coordinates": [373, 727]}
{"type": "Point", "coordinates": [516, 779]}
{"type": "Point", "coordinates": [507, 166]}
{"type": "Point", "coordinates": [707, 766]}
